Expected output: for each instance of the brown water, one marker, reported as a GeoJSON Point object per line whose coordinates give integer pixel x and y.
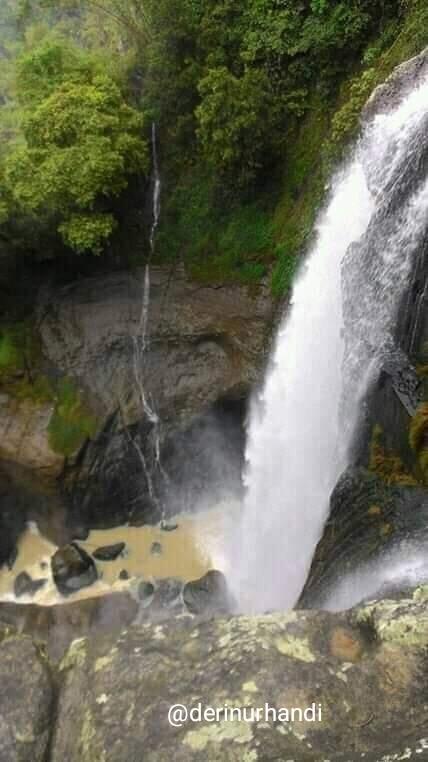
{"type": "Point", "coordinates": [187, 552]}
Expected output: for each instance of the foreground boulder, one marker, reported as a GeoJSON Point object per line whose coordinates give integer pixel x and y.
{"type": "Point", "coordinates": [72, 569]}
{"type": "Point", "coordinates": [364, 672]}
{"type": "Point", "coordinates": [26, 699]}
{"type": "Point", "coordinates": [366, 668]}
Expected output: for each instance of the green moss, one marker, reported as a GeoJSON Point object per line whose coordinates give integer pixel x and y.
{"type": "Point", "coordinates": [71, 423]}
{"type": "Point", "coordinates": [418, 439]}
{"type": "Point", "coordinates": [388, 465]}
{"type": "Point", "coordinates": [215, 244]}
{"type": "Point", "coordinates": [302, 194]}
{"type": "Point", "coordinates": [400, 41]}
{"type": "Point", "coordinates": [327, 131]}
{"type": "Point", "coordinates": [225, 238]}
{"type": "Point", "coordinates": [19, 350]}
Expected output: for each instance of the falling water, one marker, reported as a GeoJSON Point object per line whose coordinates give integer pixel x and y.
{"type": "Point", "coordinates": [156, 205]}
{"type": "Point", "coordinates": [339, 326]}
{"type": "Point", "coordinates": [141, 339]}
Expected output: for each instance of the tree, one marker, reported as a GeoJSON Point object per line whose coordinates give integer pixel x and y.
{"type": "Point", "coordinates": [232, 124]}
{"type": "Point", "coordinates": [82, 141]}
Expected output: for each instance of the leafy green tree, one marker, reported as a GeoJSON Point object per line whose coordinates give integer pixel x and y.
{"type": "Point", "coordinates": [232, 124]}
{"type": "Point", "coordinates": [82, 141]}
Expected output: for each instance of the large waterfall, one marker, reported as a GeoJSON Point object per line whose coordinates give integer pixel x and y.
{"type": "Point", "coordinates": [302, 422]}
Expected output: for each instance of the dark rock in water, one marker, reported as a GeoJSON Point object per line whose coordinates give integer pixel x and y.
{"type": "Point", "coordinates": [167, 598]}
{"type": "Point", "coordinates": [209, 593]}
{"type": "Point", "coordinates": [156, 549]}
{"type": "Point", "coordinates": [72, 569]}
{"type": "Point", "coordinates": [166, 527]}
{"type": "Point", "coordinates": [26, 585]}
{"type": "Point", "coordinates": [109, 552]}
{"type": "Point", "coordinates": [123, 574]}
{"type": "Point", "coordinates": [145, 590]}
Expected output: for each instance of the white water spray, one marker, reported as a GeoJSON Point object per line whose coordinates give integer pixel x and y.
{"type": "Point", "coordinates": [300, 431]}
{"type": "Point", "coordinates": [156, 205]}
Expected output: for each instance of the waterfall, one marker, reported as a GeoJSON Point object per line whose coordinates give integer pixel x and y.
{"type": "Point", "coordinates": [156, 198]}
{"type": "Point", "coordinates": [141, 339]}
{"type": "Point", "coordinates": [337, 332]}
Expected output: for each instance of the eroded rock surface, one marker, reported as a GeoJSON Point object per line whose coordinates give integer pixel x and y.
{"type": "Point", "coordinates": [26, 701]}
{"type": "Point", "coordinates": [205, 341]}
{"type": "Point", "coordinates": [366, 667]}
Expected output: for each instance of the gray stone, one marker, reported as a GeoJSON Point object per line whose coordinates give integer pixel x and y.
{"type": "Point", "coordinates": [109, 552]}
{"type": "Point", "coordinates": [403, 79]}
{"type": "Point", "coordinates": [207, 594]}
{"type": "Point", "coordinates": [26, 585]}
{"type": "Point", "coordinates": [362, 666]}
{"type": "Point", "coordinates": [72, 569]}
{"type": "Point", "coordinates": [156, 549]}
{"type": "Point", "coordinates": [207, 341]}
{"type": "Point", "coordinates": [145, 591]}
{"type": "Point", "coordinates": [26, 701]}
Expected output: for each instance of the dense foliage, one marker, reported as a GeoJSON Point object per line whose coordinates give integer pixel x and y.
{"type": "Point", "coordinates": [253, 101]}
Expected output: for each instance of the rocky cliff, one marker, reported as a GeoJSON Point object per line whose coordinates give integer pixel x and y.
{"type": "Point", "coordinates": [367, 669]}
{"type": "Point", "coordinates": [77, 424]}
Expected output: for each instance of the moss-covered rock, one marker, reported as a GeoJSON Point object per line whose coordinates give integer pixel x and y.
{"type": "Point", "coordinates": [341, 661]}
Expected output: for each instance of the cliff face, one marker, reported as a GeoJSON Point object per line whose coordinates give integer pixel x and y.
{"type": "Point", "coordinates": [204, 344]}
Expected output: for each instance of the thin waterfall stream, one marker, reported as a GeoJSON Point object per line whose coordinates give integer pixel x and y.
{"type": "Point", "coordinates": [141, 339]}
{"type": "Point", "coordinates": [337, 332]}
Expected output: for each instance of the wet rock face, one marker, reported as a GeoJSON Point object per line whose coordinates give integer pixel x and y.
{"type": "Point", "coordinates": [205, 341]}
{"type": "Point", "coordinates": [405, 78]}
{"type": "Point", "coordinates": [13, 516]}
{"type": "Point", "coordinates": [72, 569]}
{"type": "Point", "coordinates": [369, 522]}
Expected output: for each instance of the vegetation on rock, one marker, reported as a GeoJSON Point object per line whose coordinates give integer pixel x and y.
{"type": "Point", "coordinates": [388, 465]}
{"type": "Point", "coordinates": [418, 438]}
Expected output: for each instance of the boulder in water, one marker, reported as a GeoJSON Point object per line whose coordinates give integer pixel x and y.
{"type": "Point", "coordinates": [168, 527]}
{"type": "Point", "coordinates": [156, 549]}
{"type": "Point", "coordinates": [109, 552]}
{"type": "Point", "coordinates": [207, 594]}
{"type": "Point", "coordinates": [26, 585]}
{"type": "Point", "coordinates": [72, 569]}
{"type": "Point", "coordinates": [145, 591]}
